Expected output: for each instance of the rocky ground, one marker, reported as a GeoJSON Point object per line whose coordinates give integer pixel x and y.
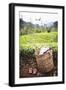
{"type": "Point", "coordinates": [29, 69]}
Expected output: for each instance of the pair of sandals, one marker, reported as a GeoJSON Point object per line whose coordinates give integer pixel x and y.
{"type": "Point", "coordinates": [32, 71]}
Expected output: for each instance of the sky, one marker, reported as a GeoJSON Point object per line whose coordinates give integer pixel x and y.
{"type": "Point", "coordinates": [39, 18]}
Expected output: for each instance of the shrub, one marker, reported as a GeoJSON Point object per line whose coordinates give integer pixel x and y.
{"type": "Point", "coordinates": [27, 53]}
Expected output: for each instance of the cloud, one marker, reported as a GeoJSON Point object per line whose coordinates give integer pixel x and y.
{"type": "Point", "coordinates": [39, 18]}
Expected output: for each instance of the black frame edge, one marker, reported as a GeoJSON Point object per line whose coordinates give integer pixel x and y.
{"type": "Point", "coordinates": [37, 84]}
{"type": "Point", "coordinates": [37, 5]}
{"type": "Point", "coordinates": [63, 44]}
{"type": "Point", "coordinates": [11, 45]}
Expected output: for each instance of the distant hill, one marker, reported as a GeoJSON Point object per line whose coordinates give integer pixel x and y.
{"type": "Point", "coordinates": [28, 27]}
{"type": "Point", "coordinates": [50, 24]}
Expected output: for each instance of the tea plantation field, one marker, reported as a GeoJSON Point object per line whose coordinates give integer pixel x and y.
{"type": "Point", "coordinates": [38, 40]}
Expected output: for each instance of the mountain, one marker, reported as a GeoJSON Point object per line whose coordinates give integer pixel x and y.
{"type": "Point", "coordinates": [52, 24]}
{"type": "Point", "coordinates": [49, 24]}
{"type": "Point", "coordinates": [28, 27]}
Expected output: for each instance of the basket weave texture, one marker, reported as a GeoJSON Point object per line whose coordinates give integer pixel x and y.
{"type": "Point", "coordinates": [45, 61]}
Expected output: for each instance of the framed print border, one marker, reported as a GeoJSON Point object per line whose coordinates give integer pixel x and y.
{"type": "Point", "coordinates": [12, 43]}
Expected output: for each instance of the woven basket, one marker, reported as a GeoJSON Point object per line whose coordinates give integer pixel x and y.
{"type": "Point", "coordinates": [45, 61]}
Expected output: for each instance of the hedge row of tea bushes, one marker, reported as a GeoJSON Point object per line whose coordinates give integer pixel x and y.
{"type": "Point", "coordinates": [39, 38]}
{"type": "Point", "coordinates": [29, 53]}
{"type": "Point", "coordinates": [30, 43]}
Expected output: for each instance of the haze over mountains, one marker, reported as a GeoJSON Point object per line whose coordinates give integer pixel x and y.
{"type": "Point", "coordinates": [49, 24]}
{"type": "Point", "coordinates": [29, 27]}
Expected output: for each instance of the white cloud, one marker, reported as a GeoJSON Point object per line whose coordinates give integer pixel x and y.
{"type": "Point", "coordinates": [39, 18]}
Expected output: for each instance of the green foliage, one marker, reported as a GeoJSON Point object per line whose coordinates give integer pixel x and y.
{"type": "Point", "coordinates": [39, 38]}
{"type": "Point", "coordinates": [49, 30]}
{"type": "Point", "coordinates": [29, 43]}
{"type": "Point", "coordinates": [27, 53]}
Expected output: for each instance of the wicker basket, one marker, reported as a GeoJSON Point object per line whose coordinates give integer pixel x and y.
{"type": "Point", "coordinates": [45, 61]}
